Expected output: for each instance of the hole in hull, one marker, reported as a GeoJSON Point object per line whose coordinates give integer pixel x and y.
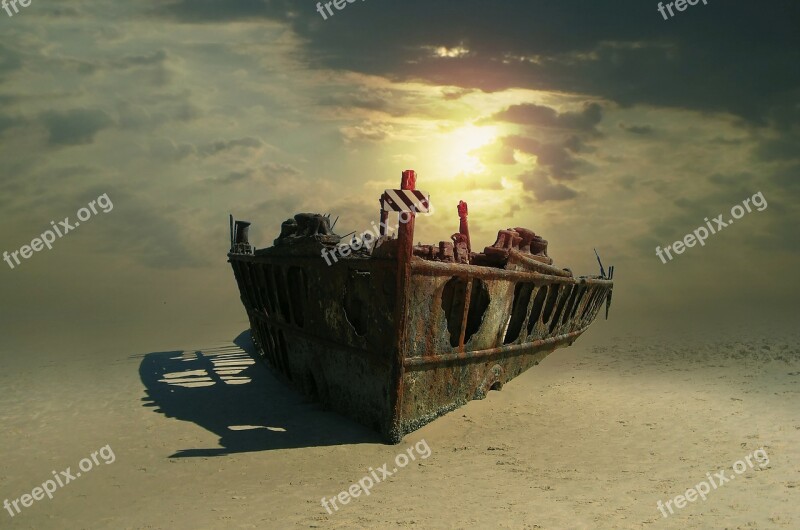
{"type": "Point", "coordinates": [562, 301]}
{"type": "Point", "coordinates": [522, 297]}
{"type": "Point", "coordinates": [454, 296]}
{"type": "Point", "coordinates": [536, 310]}
{"type": "Point", "coordinates": [479, 302]}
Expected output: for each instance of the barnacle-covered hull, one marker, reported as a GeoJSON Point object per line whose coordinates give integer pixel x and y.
{"type": "Point", "coordinates": [395, 340]}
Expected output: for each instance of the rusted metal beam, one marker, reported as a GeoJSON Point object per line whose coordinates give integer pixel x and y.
{"type": "Point", "coordinates": [481, 355]}
{"type": "Point", "coordinates": [352, 262]}
{"type": "Point", "coordinates": [531, 263]}
{"type": "Point", "coordinates": [405, 249]}
{"type": "Point", "coordinates": [435, 268]}
{"type": "Point", "coordinates": [464, 315]}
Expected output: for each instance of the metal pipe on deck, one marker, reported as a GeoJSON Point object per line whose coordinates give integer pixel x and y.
{"type": "Point", "coordinates": [464, 224]}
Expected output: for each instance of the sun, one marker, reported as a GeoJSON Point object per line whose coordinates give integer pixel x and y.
{"type": "Point", "coordinates": [459, 143]}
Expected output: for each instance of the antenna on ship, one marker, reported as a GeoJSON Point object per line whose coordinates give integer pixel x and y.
{"type": "Point", "coordinates": [608, 298]}
{"type": "Point", "coordinates": [602, 270]}
{"type": "Point", "coordinates": [609, 277]}
{"type": "Point", "coordinates": [232, 234]}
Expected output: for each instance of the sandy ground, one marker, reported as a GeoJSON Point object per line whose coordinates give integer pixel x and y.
{"type": "Point", "coordinates": [593, 437]}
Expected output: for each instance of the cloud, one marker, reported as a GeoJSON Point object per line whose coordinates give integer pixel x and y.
{"type": "Point", "coordinates": [169, 151]}
{"type": "Point", "coordinates": [147, 114]}
{"type": "Point", "coordinates": [269, 172]}
{"type": "Point", "coordinates": [220, 11]}
{"type": "Point", "coordinates": [219, 146]}
{"type": "Point", "coordinates": [366, 99]}
{"type": "Point", "coordinates": [445, 52]}
{"type": "Point", "coordinates": [545, 189]}
{"type": "Point", "coordinates": [369, 131]}
{"type": "Point", "coordinates": [156, 57]}
{"type": "Point", "coordinates": [779, 149]}
{"type": "Point", "coordinates": [541, 116]}
{"type": "Point", "coordinates": [75, 126]}
{"type": "Point", "coordinates": [605, 113]}
{"type": "Point", "coordinates": [10, 61]}
{"type": "Point", "coordinates": [619, 52]}
{"type": "Point", "coordinates": [495, 153]}
{"type": "Point", "coordinates": [557, 157]}
{"type": "Point", "coordinates": [455, 93]}
{"type": "Point", "coordinates": [7, 122]}
{"type": "Point", "coordinates": [641, 130]}
{"type": "Point", "coordinates": [55, 11]}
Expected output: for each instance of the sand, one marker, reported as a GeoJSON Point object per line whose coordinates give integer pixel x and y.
{"type": "Point", "coordinates": [593, 437]}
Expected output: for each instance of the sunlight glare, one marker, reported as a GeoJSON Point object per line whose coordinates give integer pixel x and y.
{"type": "Point", "coordinates": [461, 142]}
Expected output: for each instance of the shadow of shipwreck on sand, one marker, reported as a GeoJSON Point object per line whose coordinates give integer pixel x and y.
{"type": "Point", "coordinates": [228, 391]}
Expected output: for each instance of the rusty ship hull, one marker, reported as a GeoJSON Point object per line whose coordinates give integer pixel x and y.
{"type": "Point", "coordinates": [394, 340]}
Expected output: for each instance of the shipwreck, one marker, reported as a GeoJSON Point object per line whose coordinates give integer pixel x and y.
{"type": "Point", "coordinates": [394, 335]}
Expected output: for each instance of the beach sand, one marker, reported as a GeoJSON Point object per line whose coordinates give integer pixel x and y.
{"type": "Point", "coordinates": [593, 437]}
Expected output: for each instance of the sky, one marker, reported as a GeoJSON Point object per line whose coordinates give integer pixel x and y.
{"type": "Point", "coordinates": [595, 124]}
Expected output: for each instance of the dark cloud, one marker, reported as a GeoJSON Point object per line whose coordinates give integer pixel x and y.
{"type": "Point", "coordinates": [157, 57]}
{"type": "Point", "coordinates": [641, 130]}
{"type": "Point", "coordinates": [55, 11]}
{"type": "Point", "coordinates": [70, 172]}
{"type": "Point", "coordinates": [270, 172]}
{"type": "Point", "coordinates": [10, 60]}
{"type": "Point", "coordinates": [273, 170]}
{"type": "Point", "coordinates": [739, 57]}
{"type": "Point", "coordinates": [170, 151]}
{"type": "Point", "coordinates": [221, 11]}
{"type": "Point", "coordinates": [218, 146]}
{"type": "Point", "coordinates": [134, 117]}
{"type": "Point", "coordinates": [565, 132]}
{"type": "Point", "coordinates": [557, 157]}
{"type": "Point", "coordinates": [719, 140]}
{"type": "Point", "coordinates": [545, 189]}
{"type": "Point", "coordinates": [453, 94]}
{"type": "Point", "coordinates": [368, 100]}
{"type": "Point", "coordinates": [75, 126]}
{"type": "Point", "coordinates": [541, 116]}
{"type": "Point", "coordinates": [788, 178]}
{"type": "Point", "coordinates": [7, 122]}
{"type": "Point", "coordinates": [182, 111]}
{"type": "Point", "coordinates": [495, 153]}
{"type": "Point", "coordinates": [368, 131]}
{"type": "Point", "coordinates": [145, 114]}
{"type": "Point", "coordinates": [784, 148]}
{"type": "Point", "coordinates": [151, 68]}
